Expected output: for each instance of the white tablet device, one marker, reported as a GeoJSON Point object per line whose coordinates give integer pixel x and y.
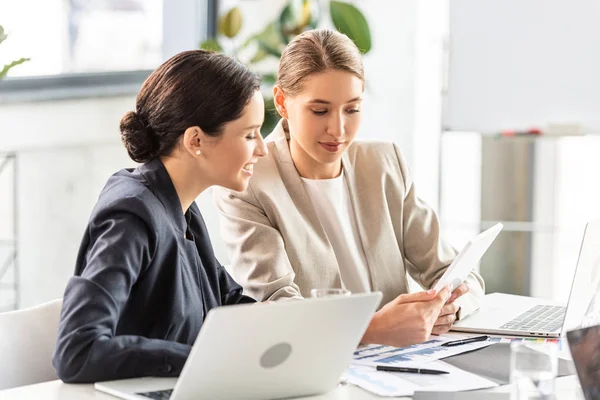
{"type": "Point", "coordinates": [468, 258]}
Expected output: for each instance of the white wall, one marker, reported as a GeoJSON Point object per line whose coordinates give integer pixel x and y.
{"type": "Point", "coordinates": [519, 64]}
{"type": "Point", "coordinates": [67, 149]}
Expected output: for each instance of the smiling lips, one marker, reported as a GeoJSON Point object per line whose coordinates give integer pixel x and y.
{"type": "Point", "coordinates": [248, 168]}
{"type": "Point", "coordinates": [332, 147]}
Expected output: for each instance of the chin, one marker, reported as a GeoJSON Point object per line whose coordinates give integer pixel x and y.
{"type": "Point", "coordinates": [239, 185]}
{"type": "Point", "coordinates": [329, 158]}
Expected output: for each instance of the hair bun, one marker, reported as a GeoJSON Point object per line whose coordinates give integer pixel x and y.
{"type": "Point", "coordinates": [139, 139]}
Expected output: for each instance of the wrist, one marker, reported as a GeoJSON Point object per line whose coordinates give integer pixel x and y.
{"type": "Point", "coordinates": [371, 334]}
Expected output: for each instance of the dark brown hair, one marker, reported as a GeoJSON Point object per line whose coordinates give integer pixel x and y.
{"type": "Point", "coordinates": [315, 51]}
{"type": "Point", "coordinates": [193, 88]}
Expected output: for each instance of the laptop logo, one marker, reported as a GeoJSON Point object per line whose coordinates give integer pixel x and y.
{"type": "Point", "coordinates": [275, 355]}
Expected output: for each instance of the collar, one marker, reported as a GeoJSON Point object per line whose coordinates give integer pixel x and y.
{"type": "Point", "coordinates": [157, 179]}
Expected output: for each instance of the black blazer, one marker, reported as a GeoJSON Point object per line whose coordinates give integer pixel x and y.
{"type": "Point", "coordinates": [145, 277]}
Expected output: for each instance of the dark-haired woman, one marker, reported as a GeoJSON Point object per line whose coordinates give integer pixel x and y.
{"type": "Point", "coordinates": [146, 274]}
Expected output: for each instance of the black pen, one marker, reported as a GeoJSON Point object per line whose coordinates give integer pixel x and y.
{"type": "Point", "coordinates": [466, 341]}
{"type": "Point", "coordinates": [389, 368]}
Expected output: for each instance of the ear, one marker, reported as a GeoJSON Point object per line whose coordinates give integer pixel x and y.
{"type": "Point", "coordinates": [279, 100]}
{"type": "Point", "coordinates": [193, 140]}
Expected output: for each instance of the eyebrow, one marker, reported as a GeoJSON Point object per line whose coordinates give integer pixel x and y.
{"type": "Point", "coordinates": [255, 126]}
{"type": "Point", "coordinates": [319, 101]}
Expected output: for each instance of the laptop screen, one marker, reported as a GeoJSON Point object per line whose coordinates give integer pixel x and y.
{"type": "Point", "coordinates": [584, 307]}
{"type": "Point", "coordinates": [585, 349]}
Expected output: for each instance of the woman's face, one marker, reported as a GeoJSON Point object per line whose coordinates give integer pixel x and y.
{"type": "Point", "coordinates": [323, 118]}
{"type": "Point", "coordinates": [232, 156]}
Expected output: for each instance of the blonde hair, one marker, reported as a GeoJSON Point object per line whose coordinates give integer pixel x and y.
{"type": "Point", "coordinates": [315, 51]}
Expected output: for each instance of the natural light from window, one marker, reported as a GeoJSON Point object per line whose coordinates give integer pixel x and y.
{"type": "Point", "coordinates": [81, 36]}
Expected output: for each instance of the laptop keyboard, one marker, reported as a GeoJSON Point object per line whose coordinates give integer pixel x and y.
{"type": "Point", "coordinates": [158, 395]}
{"type": "Point", "coordinates": [538, 319]}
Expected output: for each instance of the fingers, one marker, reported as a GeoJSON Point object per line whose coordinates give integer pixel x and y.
{"type": "Point", "coordinates": [443, 296]}
{"type": "Point", "coordinates": [415, 297]}
{"type": "Point", "coordinates": [443, 324]}
{"type": "Point", "coordinates": [445, 320]}
{"type": "Point", "coordinates": [449, 309]}
{"type": "Point", "coordinates": [440, 329]}
{"type": "Point", "coordinates": [462, 289]}
{"type": "Point", "coordinates": [431, 310]}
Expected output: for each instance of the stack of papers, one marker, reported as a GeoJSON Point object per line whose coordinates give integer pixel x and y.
{"type": "Point", "coordinates": [362, 371]}
{"type": "Point", "coordinates": [393, 384]}
{"type": "Point", "coordinates": [430, 350]}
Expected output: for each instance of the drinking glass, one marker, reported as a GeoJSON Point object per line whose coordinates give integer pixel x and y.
{"type": "Point", "coordinates": [533, 367]}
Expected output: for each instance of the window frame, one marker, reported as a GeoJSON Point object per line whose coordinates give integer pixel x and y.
{"type": "Point", "coordinates": [185, 24]}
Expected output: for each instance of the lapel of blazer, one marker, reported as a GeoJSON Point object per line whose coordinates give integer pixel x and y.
{"type": "Point", "coordinates": [295, 187]}
{"type": "Point", "coordinates": [355, 200]}
{"type": "Point", "coordinates": [368, 222]}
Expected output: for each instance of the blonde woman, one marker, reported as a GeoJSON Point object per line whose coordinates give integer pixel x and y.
{"type": "Point", "coordinates": [324, 210]}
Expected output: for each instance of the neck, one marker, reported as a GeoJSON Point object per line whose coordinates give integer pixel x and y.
{"type": "Point", "coordinates": [310, 168]}
{"type": "Point", "coordinates": [184, 176]}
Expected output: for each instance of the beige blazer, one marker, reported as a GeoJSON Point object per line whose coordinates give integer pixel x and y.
{"type": "Point", "coordinates": [278, 248]}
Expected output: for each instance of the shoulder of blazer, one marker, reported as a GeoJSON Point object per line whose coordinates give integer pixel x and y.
{"type": "Point", "coordinates": [385, 155]}
{"type": "Point", "coordinates": [383, 158]}
{"type": "Point", "coordinates": [266, 171]}
{"type": "Point", "coordinates": [126, 193]}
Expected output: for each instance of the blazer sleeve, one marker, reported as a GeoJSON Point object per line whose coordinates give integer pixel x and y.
{"type": "Point", "coordinates": [230, 289]}
{"type": "Point", "coordinates": [427, 255]}
{"type": "Point", "coordinates": [256, 249]}
{"type": "Point", "coordinates": [88, 350]}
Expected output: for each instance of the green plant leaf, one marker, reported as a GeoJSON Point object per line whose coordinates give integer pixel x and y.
{"type": "Point", "coordinates": [269, 49]}
{"type": "Point", "coordinates": [271, 117]}
{"type": "Point", "coordinates": [230, 23]}
{"type": "Point", "coordinates": [269, 36]}
{"type": "Point", "coordinates": [350, 21]}
{"type": "Point", "coordinates": [298, 16]}
{"type": "Point", "coordinates": [212, 45]}
{"type": "Point", "coordinates": [269, 79]}
{"type": "Point", "coordinates": [269, 40]}
{"type": "Point", "coordinates": [260, 55]}
{"type": "Point", "coordinates": [7, 67]}
{"type": "Point", "coordinates": [3, 35]}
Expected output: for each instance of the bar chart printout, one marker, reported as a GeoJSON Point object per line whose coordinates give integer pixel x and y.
{"type": "Point", "coordinates": [421, 353]}
{"type": "Point", "coordinates": [428, 351]}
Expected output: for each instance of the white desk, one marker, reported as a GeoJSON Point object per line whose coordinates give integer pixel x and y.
{"type": "Point", "coordinates": [567, 388]}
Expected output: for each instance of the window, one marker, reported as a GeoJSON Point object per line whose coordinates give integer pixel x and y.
{"type": "Point", "coordinates": [91, 48]}
{"type": "Point", "coordinates": [81, 36]}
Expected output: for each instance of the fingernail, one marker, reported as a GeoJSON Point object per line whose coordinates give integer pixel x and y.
{"type": "Point", "coordinates": [431, 291]}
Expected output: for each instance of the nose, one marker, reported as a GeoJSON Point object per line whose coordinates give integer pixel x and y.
{"type": "Point", "coordinates": [335, 126]}
{"type": "Point", "coordinates": [261, 148]}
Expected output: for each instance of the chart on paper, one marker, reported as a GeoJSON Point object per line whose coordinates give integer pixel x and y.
{"type": "Point", "coordinates": [425, 352]}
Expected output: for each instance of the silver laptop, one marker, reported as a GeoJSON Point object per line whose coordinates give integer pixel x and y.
{"type": "Point", "coordinates": [264, 351]}
{"type": "Point", "coordinates": [505, 314]}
